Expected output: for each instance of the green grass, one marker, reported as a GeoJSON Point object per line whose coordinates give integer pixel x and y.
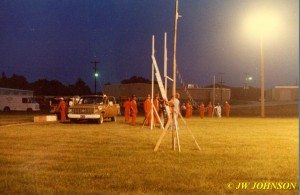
{"type": "Point", "coordinates": [290, 110]}
{"type": "Point", "coordinates": [117, 158]}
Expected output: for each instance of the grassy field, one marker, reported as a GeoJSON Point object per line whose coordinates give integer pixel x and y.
{"type": "Point", "coordinates": [290, 110]}
{"type": "Point", "coordinates": [117, 158]}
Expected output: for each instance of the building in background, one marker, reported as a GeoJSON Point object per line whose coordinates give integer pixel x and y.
{"type": "Point", "coordinates": [141, 90]}
{"type": "Point", "coordinates": [284, 93]}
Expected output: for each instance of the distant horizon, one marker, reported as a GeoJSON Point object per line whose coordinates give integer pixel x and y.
{"type": "Point", "coordinates": [178, 85]}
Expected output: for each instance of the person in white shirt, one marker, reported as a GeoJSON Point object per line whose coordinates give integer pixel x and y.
{"type": "Point", "coordinates": [218, 110]}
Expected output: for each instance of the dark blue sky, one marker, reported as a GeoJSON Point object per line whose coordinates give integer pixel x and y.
{"type": "Point", "coordinates": [57, 39]}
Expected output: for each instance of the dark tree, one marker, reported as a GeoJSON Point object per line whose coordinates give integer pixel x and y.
{"type": "Point", "coordinates": [80, 88]}
{"type": "Point", "coordinates": [41, 87]}
{"type": "Point", "coordinates": [16, 81]}
{"type": "Point", "coordinates": [135, 79]}
{"type": "Point", "coordinates": [52, 88]}
{"type": "Point", "coordinates": [3, 80]}
{"type": "Point", "coordinates": [57, 88]}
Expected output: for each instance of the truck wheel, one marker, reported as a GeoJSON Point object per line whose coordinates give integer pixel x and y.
{"type": "Point", "coordinates": [114, 118]}
{"type": "Point", "coordinates": [6, 109]}
{"type": "Point", "coordinates": [100, 120]}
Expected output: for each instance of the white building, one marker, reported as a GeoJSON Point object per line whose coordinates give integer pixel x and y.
{"type": "Point", "coordinates": [285, 93]}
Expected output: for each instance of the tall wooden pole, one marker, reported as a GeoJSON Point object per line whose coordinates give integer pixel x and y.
{"type": "Point", "coordinates": [165, 62]}
{"type": "Point", "coordinates": [214, 95]}
{"type": "Point", "coordinates": [214, 90]}
{"type": "Point", "coordinates": [152, 88]}
{"type": "Point", "coordinates": [174, 49]}
{"type": "Point", "coordinates": [262, 72]}
{"type": "Point", "coordinates": [174, 69]}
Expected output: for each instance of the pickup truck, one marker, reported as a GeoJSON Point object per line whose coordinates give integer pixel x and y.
{"type": "Point", "coordinates": [94, 107]}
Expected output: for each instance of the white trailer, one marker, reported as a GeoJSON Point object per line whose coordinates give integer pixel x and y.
{"type": "Point", "coordinates": [17, 100]}
{"type": "Point", "coordinates": [18, 103]}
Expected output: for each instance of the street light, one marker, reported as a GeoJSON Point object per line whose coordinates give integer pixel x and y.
{"type": "Point", "coordinates": [262, 23]}
{"type": "Point", "coordinates": [248, 79]}
{"type": "Point", "coordinates": [95, 75]}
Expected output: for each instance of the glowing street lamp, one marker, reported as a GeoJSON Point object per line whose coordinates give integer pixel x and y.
{"type": "Point", "coordinates": [260, 24]}
{"type": "Point", "coordinates": [96, 74]}
{"type": "Point", "coordinates": [248, 79]}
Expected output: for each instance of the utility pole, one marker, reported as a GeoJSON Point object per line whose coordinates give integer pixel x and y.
{"type": "Point", "coordinates": [95, 74]}
{"type": "Point", "coordinates": [246, 86]}
{"type": "Point", "coordinates": [174, 70]}
{"type": "Point", "coordinates": [221, 84]}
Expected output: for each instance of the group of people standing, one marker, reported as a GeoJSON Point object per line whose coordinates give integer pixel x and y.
{"type": "Point", "coordinates": [187, 109]}
{"type": "Point", "coordinates": [130, 109]}
{"type": "Point", "coordinates": [159, 111]}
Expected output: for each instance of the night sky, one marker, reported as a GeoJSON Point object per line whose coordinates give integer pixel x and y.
{"type": "Point", "coordinates": [57, 39]}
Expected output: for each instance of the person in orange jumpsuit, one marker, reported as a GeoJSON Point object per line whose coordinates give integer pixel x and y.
{"type": "Point", "coordinates": [156, 106]}
{"type": "Point", "coordinates": [209, 109]}
{"type": "Point", "coordinates": [126, 106]}
{"type": "Point", "coordinates": [227, 109]}
{"type": "Point", "coordinates": [202, 110]}
{"type": "Point", "coordinates": [62, 109]}
{"type": "Point", "coordinates": [189, 109]}
{"type": "Point", "coordinates": [134, 110]}
{"type": "Point", "coordinates": [147, 109]}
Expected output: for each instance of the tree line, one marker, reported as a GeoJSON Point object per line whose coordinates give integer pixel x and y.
{"type": "Point", "coordinates": [44, 87]}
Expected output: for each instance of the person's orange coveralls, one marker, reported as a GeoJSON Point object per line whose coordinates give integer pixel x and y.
{"type": "Point", "coordinates": [126, 106]}
{"type": "Point", "coordinates": [227, 109]}
{"type": "Point", "coordinates": [134, 110]}
{"type": "Point", "coordinates": [209, 109]}
{"type": "Point", "coordinates": [189, 110]}
{"type": "Point", "coordinates": [202, 110]}
{"type": "Point", "coordinates": [62, 109]}
{"type": "Point", "coordinates": [147, 109]}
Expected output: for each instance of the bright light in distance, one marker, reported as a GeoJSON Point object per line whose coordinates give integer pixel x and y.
{"type": "Point", "coordinates": [248, 78]}
{"type": "Point", "coordinates": [262, 23]}
{"type": "Point", "coordinates": [96, 74]}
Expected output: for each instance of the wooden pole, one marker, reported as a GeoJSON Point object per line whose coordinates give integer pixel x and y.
{"type": "Point", "coordinates": [152, 88]}
{"type": "Point", "coordinates": [165, 62]}
{"type": "Point", "coordinates": [262, 70]}
{"type": "Point", "coordinates": [214, 95]}
{"type": "Point", "coordinates": [174, 69]}
{"type": "Point", "coordinates": [162, 135]}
